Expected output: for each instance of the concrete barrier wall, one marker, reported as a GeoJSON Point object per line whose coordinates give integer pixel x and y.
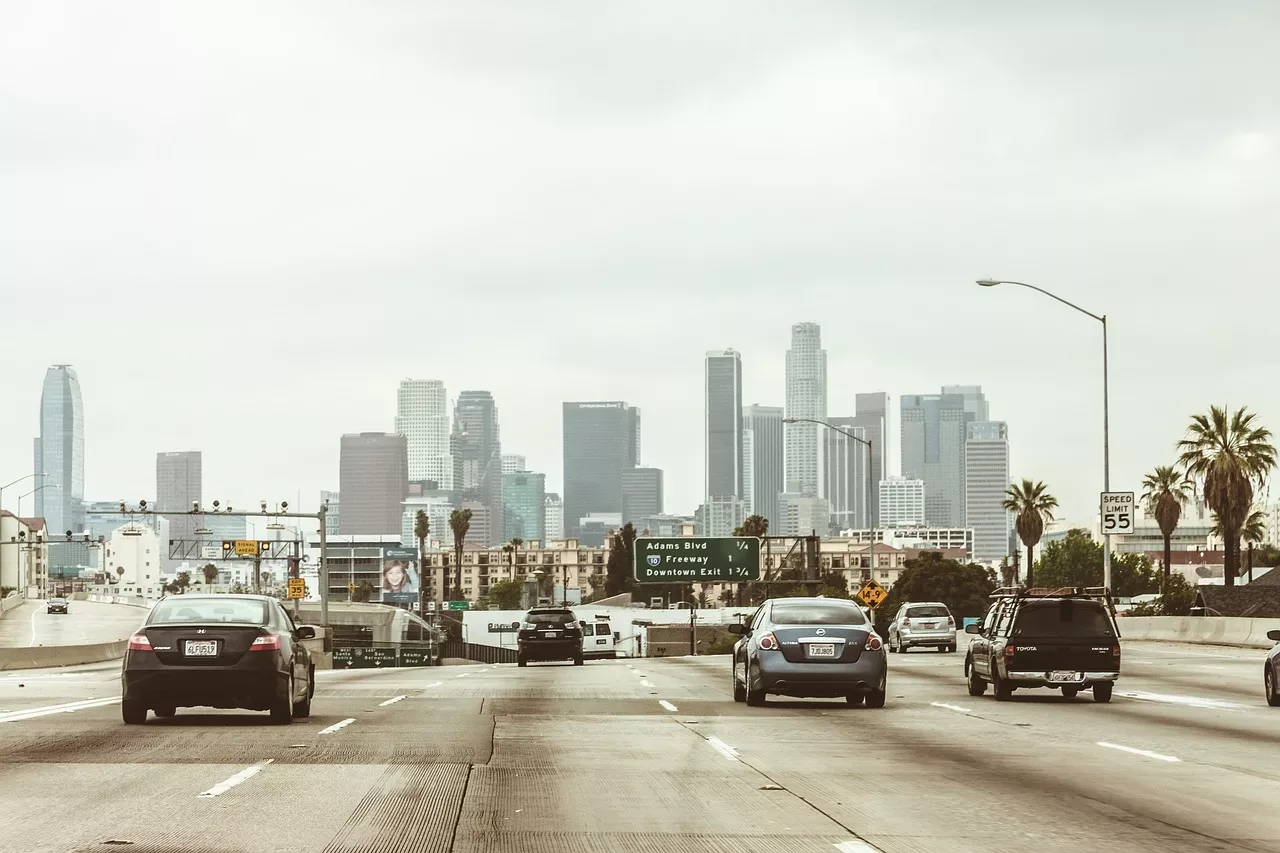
{"type": "Point", "coordinates": [123, 600]}
{"type": "Point", "coordinates": [39, 657]}
{"type": "Point", "coordinates": [10, 601]}
{"type": "Point", "coordinates": [1206, 630]}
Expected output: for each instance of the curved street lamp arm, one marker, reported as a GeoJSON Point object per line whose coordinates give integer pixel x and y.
{"type": "Point", "coordinates": [828, 426]}
{"type": "Point", "coordinates": [1058, 298]}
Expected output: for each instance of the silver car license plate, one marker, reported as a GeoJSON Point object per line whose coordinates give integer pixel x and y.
{"type": "Point", "coordinates": [1060, 675]}
{"type": "Point", "coordinates": [200, 648]}
{"type": "Point", "coordinates": [551, 634]}
{"type": "Point", "coordinates": [822, 650]}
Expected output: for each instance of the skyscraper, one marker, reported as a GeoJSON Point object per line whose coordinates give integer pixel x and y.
{"type": "Point", "coordinates": [845, 485]}
{"type": "Point", "coordinates": [763, 471]}
{"type": "Point", "coordinates": [723, 440]}
{"type": "Point", "coordinates": [477, 455]}
{"type": "Point", "coordinates": [524, 495]}
{"type": "Point", "coordinates": [553, 517]}
{"type": "Point", "coordinates": [986, 459]}
{"type": "Point", "coordinates": [933, 445]}
{"type": "Point", "coordinates": [179, 477]}
{"type": "Point", "coordinates": [806, 398]}
{"type": "Point", "coordinates": [59, 452]}
{"type": "Point", "coordinates": [513, 462]}
{"type": "Point", "coordinates": [641, 493]}
{"type": "Point", "coordinates": [422, 417]}
{"type": "Point", "coordinates": [975, 402]}
{"type": "Point", "coordinates": [901, 502]}
{"type": "Point", "coordinates": [601, 440]}
{"type": "Point", "coordinates": [872, 414]}
{"type": "Point", "coordinates": [373, 481]}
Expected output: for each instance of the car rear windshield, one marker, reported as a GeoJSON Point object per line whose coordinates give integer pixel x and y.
{"type": "Point", "coordinates": [816, 613]}
{"type": "Point", "coordinates": [1063, 619]}
{"type": "Point", "coordinates": [234, 611]}
{"type": "Point", "coordinates": [556, 618]}
{"type": "Point", "coordinates": [928, 611]}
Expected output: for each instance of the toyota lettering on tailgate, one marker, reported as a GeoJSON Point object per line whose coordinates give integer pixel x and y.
{"type": "Point", "coordinates": [1028, 648]}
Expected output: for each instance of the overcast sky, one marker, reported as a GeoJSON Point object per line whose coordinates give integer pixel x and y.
{"type": "Point", "coordinates": [244, 223]}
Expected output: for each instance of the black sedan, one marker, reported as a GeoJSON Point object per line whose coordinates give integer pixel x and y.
{"type": "Point", "coordinates": [218, 651]}
{"type": "Point", "coordinates": [1271, 672]}
{"type": "Point", "coordinates": [56, 605]}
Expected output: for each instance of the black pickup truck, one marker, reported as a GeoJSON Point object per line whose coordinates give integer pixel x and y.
{"type": "Point", "coordinates": [1062, 639]}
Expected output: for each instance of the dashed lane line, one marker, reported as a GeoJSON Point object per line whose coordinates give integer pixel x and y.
{"type": "Point", "coordinates": [229, 783]}
{"type": "Point", "coordinates": [1143, 752]}
{"type": "Point", "coordinates": [65, 708]}
{"type": "Point", "coordinates": [664, 703]}
{"type": "Point", "coordinates": [341, 724]}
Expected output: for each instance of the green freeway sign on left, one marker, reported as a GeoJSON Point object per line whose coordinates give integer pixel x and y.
{"type": "Point", "coordinates": [733, 559]}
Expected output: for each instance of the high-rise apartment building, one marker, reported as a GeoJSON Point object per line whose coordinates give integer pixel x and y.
{"type": "Point", "coordinates": [553, 518]}
{"type": "Point", "coordinates": [477, 454]}
{"type": "Point", "coordinates": [934, 430]}
{"type": "Point", "coordinates": [601, 440]}
{"type": "Point", "coordinates": [524, 497]}
{"type": "Point", "coordinates": [179, 477]}
{"type": "Point", "coordinates": [641, 493]}
{"type": "Point", "coordinates": [901, 502]}
{"type": "Point", "coordinates": [333, 513]}
{"type": "Point", "coordinates": [720, 516]}
{"type": "Point", "coordinates": [513, 462]}
{"type": "Point", "coordinates": [802, 515]}
{"type": "Point", "coordinates": [986, 459]}
{"type": "Point", "coordinates": [59, 452]}
{"type": "Point", "coordinates": [763, 466]}
{"type": "Point", "coordinates": [846, 484]}
{"type": "Point", "coordinates": [373, 479]}
{"type": "Point", "coordinates": [422, 417]}
{"type": "Point", "coordinates": [871, 413]}
{"type": "Point", "coordinates": [806, 398]}
{"type": "Point", "coordinates": [723, 439]}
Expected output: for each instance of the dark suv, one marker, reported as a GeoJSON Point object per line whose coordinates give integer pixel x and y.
{"type": "Point", "coordinates": [549, 633]}
{"type": "Point", "coordinates": [1063, 639]}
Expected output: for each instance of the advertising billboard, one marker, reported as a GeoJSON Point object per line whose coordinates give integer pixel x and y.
{"type": "Point", "coordinates": [400, 575]}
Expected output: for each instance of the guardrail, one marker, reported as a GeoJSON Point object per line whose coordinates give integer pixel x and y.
{"type": "Point", "coordinates": [1206, 630]}
{"type": "Point", "coordinates": [124, 600]}
{"type": "Point", "coordinates": [10, 601]}
{"type": "Point", "coordinates": [38, 657]}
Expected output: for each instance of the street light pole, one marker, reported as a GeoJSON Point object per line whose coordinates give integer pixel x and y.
{"type": "Point", "coordinates": [866, 442]}
{"type": "Point", "coordinates": [16, 482]}
{"type": "Point", "coordinates": [1106, 405]}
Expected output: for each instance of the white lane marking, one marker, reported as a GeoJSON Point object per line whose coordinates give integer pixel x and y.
{"type": "Point", "coordinates": [462, 675]}
{"type": "Point", "coordinates": [646, 683]}
{"type": "Point", "coordinates": [723, 748]}
{"type": "Point", "coordinates": [34, 614]}
{"type": "Point", "coordinates": [857, 847]}
{"type": "Point", "coordinates": [433, 684]}
{"type": "Point", "coordinates": [65, 708]}
{"type": "Point", "coordinates": [393, 700]}
{"type": "Point", "coordinates": [1143, 752]}
{"type": "Point", "coordinates": [338, 725]}
{"type": "Point", "coordinates": [227, 784]}
{"type": "Point", "coordinates": [1189, 701]}
{"type": "Point", "coordinates": [664, 703]}
{"type": "Point", "coordinates": [955, 708]}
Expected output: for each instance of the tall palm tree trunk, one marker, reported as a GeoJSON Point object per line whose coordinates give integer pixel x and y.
{"type": "Point", "coordinates": [1168, 555]}
{"type": "Point", "coordinates": [1030, 566]}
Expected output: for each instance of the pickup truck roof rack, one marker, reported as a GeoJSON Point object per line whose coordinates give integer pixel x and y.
{"type": "Point", "coordinates": [1097, 593]}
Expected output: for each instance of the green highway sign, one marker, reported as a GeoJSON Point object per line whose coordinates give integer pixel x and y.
{"type": "Point", "coordinates": [684, 559]}
{"type": "Point", "coordinates": [459, 605]}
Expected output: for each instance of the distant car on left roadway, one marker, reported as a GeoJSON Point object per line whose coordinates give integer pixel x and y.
{"type": "Point", "coordinates": [218, 651]}
{"type": "Point", "coordinates": [57, 605]}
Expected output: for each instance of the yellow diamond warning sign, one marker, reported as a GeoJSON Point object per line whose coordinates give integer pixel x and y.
{"type": "Point", "coordinates": [872, 594]}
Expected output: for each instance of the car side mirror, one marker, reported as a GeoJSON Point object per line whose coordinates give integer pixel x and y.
{"type": "Point", "coordinates": [740, 630]}
{"type": "Point", "coordinates": [306, 632]}
{"type": "Point", "coordinates": [1274, 636]}
{"type": "Point", "coordinates": [973, 629]}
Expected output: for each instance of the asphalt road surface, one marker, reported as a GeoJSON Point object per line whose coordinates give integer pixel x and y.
{"type": "Point", "coordinates": [653, 755]}
{"type": "Point", "coordinates": [88, 622]}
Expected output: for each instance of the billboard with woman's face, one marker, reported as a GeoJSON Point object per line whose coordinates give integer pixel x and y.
{"type": "Point", "coordinates": [399, 574]}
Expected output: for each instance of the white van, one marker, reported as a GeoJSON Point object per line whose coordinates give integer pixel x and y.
{"type": "Point", "coordinates": [598, 639]}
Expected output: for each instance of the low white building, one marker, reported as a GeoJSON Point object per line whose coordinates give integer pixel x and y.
{"type": "Point", "coordinates": [901, 502]}
{"type": "Point", "coordinates": [134, 556]}
{"type": "Point", "coordinates": [24, 554]}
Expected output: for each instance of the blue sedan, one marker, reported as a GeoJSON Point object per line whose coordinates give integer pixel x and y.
{"type": "Point", "coordinates": [1271, 672]}
{"type": "Point", "coordinates": [809, 647]}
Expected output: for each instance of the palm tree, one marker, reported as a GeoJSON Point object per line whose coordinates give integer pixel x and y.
{"type": "Point", "coordinates": [1165, 492]}
{"type": "Point", "coordinates": [421, 530]}
{"type": "Point", "coordinates": [754, 525]}
{"type": "Point", "coordinates": [514, 545]}
{"type": "Point", "coordinates": [1032, 506]}
{"type": "Point", "coordinates": [1228, 456]}
{"type": "Point", "coordinates": [210, 572]}
{"type": "Point", "coordinates": [459, 523]}
{"type": "Point", "coordinates": [1253, 532]}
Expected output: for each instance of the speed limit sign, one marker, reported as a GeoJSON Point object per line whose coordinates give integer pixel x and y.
{"type": "Point", "coordinates": [1117, 513]}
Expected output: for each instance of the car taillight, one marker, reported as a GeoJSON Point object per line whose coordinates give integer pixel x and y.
{"type": "Point", "coordinates": [873, 642]}
{"type": "Point", "coordinates": [951, 621]}
{"type": "Point", "coordinates": [1115, 651]}
{"type": "Point", "coordinates": [768, 641]}
{"type": "Point", "coordinates": [906, 620]}
{"type": "Point", "coordinates": [139, 643]}
{"type": "Point", "coordinates": [265, 643]}
{"type": "Point", "coordinates": [1008, 651]}
{"type": "Point", "coordinates": [526, 626]}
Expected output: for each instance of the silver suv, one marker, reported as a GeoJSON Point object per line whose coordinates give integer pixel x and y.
{"type": "Point", "coordinates": [922, 623]}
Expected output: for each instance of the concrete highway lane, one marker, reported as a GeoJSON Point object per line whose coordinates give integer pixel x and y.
{"type": "Point", "coordinates": [88, 622]}
{"type": "Point", "coordinates": [652, 755]}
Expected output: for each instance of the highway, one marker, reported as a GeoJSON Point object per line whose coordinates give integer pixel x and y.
{"type": "Point", "coordinates": [655, 756]}
{"type": "Point", "coordinates": [88, 622]}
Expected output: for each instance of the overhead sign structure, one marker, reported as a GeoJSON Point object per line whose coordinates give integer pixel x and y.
{"type": "Point", "coordinates": [243, 547]}
{"type": "Point", "coordinates": [297, 588]}
{"type": "Point", "coordinates": [685, 559]}
{"type": "Point", "coordinates": [1117, 513]}
{"type": "Point", "coordinates": [872, 594]}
